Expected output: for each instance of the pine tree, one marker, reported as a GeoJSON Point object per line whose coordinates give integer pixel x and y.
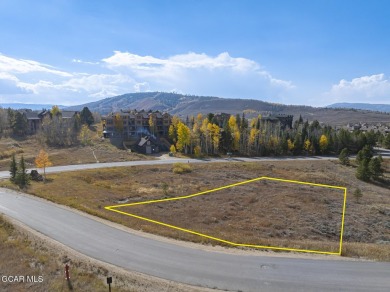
{"type": "Point", "coordinates": [86, 116]}
{"type": "Point", "coordinates": [363, 171]}
{"type": "Point", "coordinates": [13, 168]}
{"type": "Point", "coordinates": [19, 124]}
{"type": "Point", "coordinates": [22, 177]}
{"type": "Point", "coordinates": [375, 168]}
{"type": "Point", "coordinates": [364, 154]}
{"type": "Point", "coordinates": [343, 157]}
{"type": "Point", "coordinates": [386, 141]}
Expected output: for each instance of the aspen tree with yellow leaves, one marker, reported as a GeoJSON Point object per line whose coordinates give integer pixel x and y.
{"type": "Point", "coordinates": [42, 161]}
{"type": "Point", "coordinates": [323, 143]}
{"type": "Point", "coordinates": [183, 137]}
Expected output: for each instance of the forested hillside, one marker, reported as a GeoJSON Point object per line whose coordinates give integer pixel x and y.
{"type": "Point", "coordinates": [187, 105]}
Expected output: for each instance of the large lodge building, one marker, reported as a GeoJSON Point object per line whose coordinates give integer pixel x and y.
{"type": "Point", "coordinates": [136, 124]}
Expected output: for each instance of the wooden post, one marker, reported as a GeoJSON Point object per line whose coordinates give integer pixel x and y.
{"type": "Point", "coordinates": [67, 277]}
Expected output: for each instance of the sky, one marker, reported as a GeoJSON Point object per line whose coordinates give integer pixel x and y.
{"type": "Point", "coordinates": [314, 53]}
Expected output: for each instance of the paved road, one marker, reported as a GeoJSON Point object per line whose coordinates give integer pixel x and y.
{"type": "Point", "coordinates": [5, 174]}
{"type": "Point", "coordinates": [170, 160]}
{"type": "Point", "coordinates": [190, 265]}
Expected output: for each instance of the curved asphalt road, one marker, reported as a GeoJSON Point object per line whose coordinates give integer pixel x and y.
{"type": "Point", "coordinates": [190, 265]}
{"type": "Point", "coordinates": [170, 160]}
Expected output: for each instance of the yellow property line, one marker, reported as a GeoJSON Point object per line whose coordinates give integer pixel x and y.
{"type": "Point", "coordinates": [113, 208]}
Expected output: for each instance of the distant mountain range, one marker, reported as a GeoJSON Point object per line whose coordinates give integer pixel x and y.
{"type": "Point", "coordinates": [187, 105]}
{"type": "Point", "coordinates": [28, 106]}
{"type": "Point", "coordinates": [362, 106]}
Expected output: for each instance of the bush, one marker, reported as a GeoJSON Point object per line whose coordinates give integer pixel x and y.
{"type": "Point", "coordinates": [358, 194]}
{"type": "Point", "coordinates": [181, 168]}
{"type": "Point", "coordinates": [9, 153]}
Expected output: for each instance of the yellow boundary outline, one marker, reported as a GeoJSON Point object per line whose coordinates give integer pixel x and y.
{"type": "Point", "coordinates": [113, 209]}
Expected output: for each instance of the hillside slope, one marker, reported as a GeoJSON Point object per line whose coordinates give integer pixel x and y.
{"type": "Point", "coordinates": [186, 105]}
{"type": "Point", "coordinates": [362, 106]}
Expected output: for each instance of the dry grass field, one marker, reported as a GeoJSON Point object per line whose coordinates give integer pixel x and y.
{"type": "Point", "coordinates": [27, 253]}
{"type": "Point", "coordinates": [22, 256]}
{"type": "Point", "coordinates": [265, 212]}
{"type": "Point", "coordinates": [100, 150]}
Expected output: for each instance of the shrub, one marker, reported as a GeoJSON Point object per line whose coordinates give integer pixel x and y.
{"type": "Point", "coordinates": [357, 194]}
{"type": "Point", "coordinates": [181, 168]}
{"type": "Point", "coordinates": [10, 153]}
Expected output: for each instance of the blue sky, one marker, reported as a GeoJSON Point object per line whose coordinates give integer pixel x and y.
{"type": "Point", "coordinates": [294, 52]}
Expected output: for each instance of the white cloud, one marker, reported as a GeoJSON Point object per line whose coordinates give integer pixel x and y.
{"type": "Point", "coordinates": [84, 62]}
{"type": "Point", "coordinates": [8, 84]}
{"type": "Point", "coordinates": [374, 89]}
{"type": "Point", "coordinates": [141, 87]}
{"type": "Point", "coordinates": [194, 73]}
{"type": "Point", "coordinates": [125, 72]}
{"type": "Point", "coordinates": [20, 66]}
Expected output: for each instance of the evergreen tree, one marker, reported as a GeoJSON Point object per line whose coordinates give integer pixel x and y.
{"type": "Point", "coordinates": [22, 177]}
{"type": "Point", "coordinates": [226, 138]}
{"type": "Point", "coordinates": [86, 116]}
{"type": "Point", "coordinates": [364, 154]}
{"type": "Point", "coordinates": [76, 123]}
{"type": "Point", "coordinates": [300, 120]}
{"type": "Point", "coordinates": [371, 138]}
{"type": "Point", "coordinates": [19, 124]}
{"type": "Point", "coordinates": [13, 168]}
{"type": "Point", "coordinates": [210, 117]}
{"type": "Point", "coordinates": [363, 171]}
{"type": "Point", "coordinates": [375, 168]}
{"type": "Point", "coordinates": [386, 141]}
{"type": "Point", "coordinates": [343, 157]}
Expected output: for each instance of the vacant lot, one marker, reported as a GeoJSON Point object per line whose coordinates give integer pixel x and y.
{"type": "Point", "coordinates": [266, 213]}
{"type": "Point", "coordinates": [262, 212]}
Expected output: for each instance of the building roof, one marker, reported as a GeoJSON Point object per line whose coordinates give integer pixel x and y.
{"type": "Point", "coordinates": [143, 141]}
{"type": "Point", "coordinates": [33, 115]}
{"type": "Point", "coordinates": [68, 114]}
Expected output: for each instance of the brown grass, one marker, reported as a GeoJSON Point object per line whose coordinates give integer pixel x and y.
{"type": "Point", "coordinates": [29, 147]}
{"type": "Point", "coordinates": [20, 256]}
{"type": "Point", "coordinates": [266, 213]}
